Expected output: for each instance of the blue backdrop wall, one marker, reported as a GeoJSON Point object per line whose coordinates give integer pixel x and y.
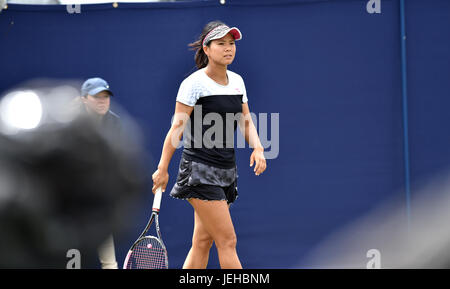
{"type": "Point", "coordinates": [331, 70]}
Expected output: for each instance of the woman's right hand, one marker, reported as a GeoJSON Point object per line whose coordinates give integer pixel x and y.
{"type": "Point", "coordinates": [160, 179]}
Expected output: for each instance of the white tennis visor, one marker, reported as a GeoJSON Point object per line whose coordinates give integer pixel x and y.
{"type": "Point", "coordinates": [221, 31]}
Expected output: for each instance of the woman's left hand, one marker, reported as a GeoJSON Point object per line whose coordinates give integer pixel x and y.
{"type": "Point", "coordinates": [258, 158]}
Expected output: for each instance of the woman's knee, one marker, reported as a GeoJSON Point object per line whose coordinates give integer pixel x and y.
{"type": "Point", "coordinates": [202, 243]}
{"type": "Point", "coordinates": [227, 241]}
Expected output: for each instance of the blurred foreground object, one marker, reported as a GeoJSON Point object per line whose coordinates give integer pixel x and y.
{"type": "Point", "coordinates": [65, 183]}
{"type": "Point", "coordinates": [382, 238]}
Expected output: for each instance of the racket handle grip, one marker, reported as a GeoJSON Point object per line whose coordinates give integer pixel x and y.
{"type": "Point", "coordinates": [157, 200]}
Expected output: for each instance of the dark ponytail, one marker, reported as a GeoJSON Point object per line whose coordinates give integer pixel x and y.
{"type": "Point", "coordinates": [201, 59]}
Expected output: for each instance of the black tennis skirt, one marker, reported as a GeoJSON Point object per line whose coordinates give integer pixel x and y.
{"type": "Point", "coordinates": [204, 182]}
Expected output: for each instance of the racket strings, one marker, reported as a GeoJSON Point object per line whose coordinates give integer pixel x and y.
{"type": "Point", "coordinates": [148, 253]}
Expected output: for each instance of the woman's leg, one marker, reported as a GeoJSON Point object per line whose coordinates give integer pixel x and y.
{"type": "Point", "coordinates": [198, 255]}
{"type": "Point", "coordinates": [216, 221]}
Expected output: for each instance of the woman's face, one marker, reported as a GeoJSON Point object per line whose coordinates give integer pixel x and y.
{"type": "Point", "coordinates": [221, 51]}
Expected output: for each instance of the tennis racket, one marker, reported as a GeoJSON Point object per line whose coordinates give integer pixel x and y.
{"type": "Point", "coordinates": [149, 252]}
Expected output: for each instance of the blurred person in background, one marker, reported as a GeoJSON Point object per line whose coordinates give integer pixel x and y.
{"type": "Point", "coordinates": [96, 99]}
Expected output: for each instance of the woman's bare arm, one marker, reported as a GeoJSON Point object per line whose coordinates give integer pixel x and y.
{"type": "Point", "coordinates": [248, 129]}
{"type": "Point", "coordinates": [182, 114]}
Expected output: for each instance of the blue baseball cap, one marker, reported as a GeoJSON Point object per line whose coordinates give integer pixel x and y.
{"type": "Point", "coordinates": [92, 86]}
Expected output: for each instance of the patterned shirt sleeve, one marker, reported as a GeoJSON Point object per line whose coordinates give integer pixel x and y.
{"type": "Point", "coordinates": [188, 93]}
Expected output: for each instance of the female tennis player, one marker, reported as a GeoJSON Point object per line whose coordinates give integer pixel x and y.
{"type": "Point", "coordinates": [207, 175]}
